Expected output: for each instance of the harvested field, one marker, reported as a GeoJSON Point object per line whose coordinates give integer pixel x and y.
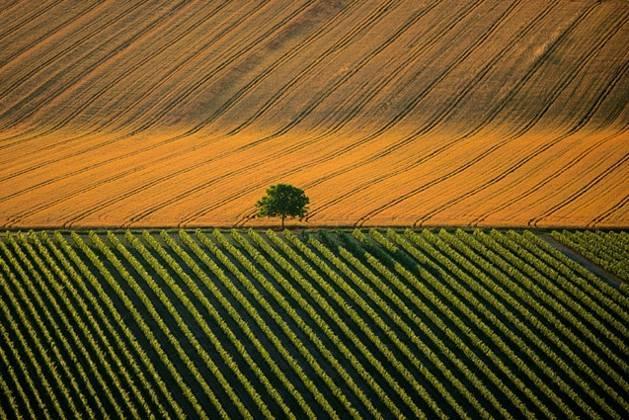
{"type": "Point", "coordinates": [387, 112]}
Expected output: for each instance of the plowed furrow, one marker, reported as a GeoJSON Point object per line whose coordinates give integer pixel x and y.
{"type": "Point", "coordinates": [411, 105]}
{"type": "Point", "coordinates": [397, 145]}
{"type": "Point", "coordinates": [133, 68]}
{"type": "Point", "coordinates": [95, 147]}
{"type": "Point", "coordinates": [149, 92]}
{"type": "Point", "coordinates": [398, 33]}
{"type": "Point", "coordinates": [503, 103]}
{"type": "Point", "coordinates": [339, 124]}
{"type": "Point", "coordinates": [619, 164]}
{"type": "Point", "coordinates": [81, 75]}
{"type": "Point", "coordinates": [433, 122]}
{"type": "Point", "coordinates": [521, 162]}
{"type": "Point", "coordinates": [28, 17]}
{"type": "Point", "coordinates": [378, 155]}
{"type": "Point", "coordinates": [116, 177]}
{"type": "Point", "coordinates": [360, 29]}
{"type": "Point", "coordinates": [540, 185]}
{"type": "Point", "coordinates": [348, 148]}
{"type": "Point", "coordinates": [610, 212]}
{"type": "Point", "coordinates": [91, 32]}
{"type": "Point", "coordinates": [83, 106]}
{"type": "Point", "coordinates": [312, 141]}
{"type": "Point", "coordinates": [48, 34]}
{"type": "Point", "coordinates": [194, 87]}
{"type": "Point", "coordinates": [619, 74]}
{"type": "Point", "coordinates": [462, 94]}
{"type": "Point", "coordinates": [346, 77]}
{"type": "Point", "coordinates": [252, 144]}
{"type": "Point", "coordinates": [468, 112]}
{"type": "Point", "coordinates": [103, 125]}
{"type": "Point", "coordinates": [564, 81]}
{"type": "Point", "coordinates": [9, 6]}
{"type": "Point", "coordinates": [179, 68]}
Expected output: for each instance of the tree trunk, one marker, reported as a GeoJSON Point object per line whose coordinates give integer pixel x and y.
{"type": "Point", "coordinates": [283, 217]}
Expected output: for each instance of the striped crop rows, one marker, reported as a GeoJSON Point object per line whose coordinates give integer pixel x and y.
{"type": "Point", "coordinates": [138, 115]}
{"type": "Point", "coordinates": [316, 324]}
{"type": "Point", "coordinates": [610, 250]}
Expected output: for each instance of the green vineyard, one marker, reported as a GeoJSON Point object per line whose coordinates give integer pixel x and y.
{"type": "Point", "coordinates": [608, 250]}
{"type": "Point", "coordinates": [332, 324]}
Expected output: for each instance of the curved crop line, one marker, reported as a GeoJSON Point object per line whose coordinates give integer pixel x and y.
{"type": "Point", "coordinates": [260, 6]}
{"type": "Point", "coordinates": [329, 157]}
{"type": "Point", "coordinates": [371, 136]}
{"type": "Point", "coordinates": [223, 5]}
{"type": "Point", "coordinates": [92, 148]}
{"type": "Point", "coordinates": [443, 113]}
{"type": "Point", "coordinates": [147, 93]}
{"type": "Point", "coordinates": [82, 152]}
{"type": "Point", "coordinates": [426, 127]}
{"type": "Point", "coordinates": [343, 79]}
{"type": "Point", "coordinates": [585, 153]}
{"type": "Point", "coordinates": [589, 114]}
{"type": "Point", "coordinates": [593, 182]}
{"type": "Point", "coordinates": [339, 124]}
{"type": "Point", "coordinates": [162, 178]}
{"type": "Point", "coordinates": [29, 17]}
{"type": "Point", "coordinates": [330, 114]}
{"type": "Point", "coordinates": [128, 71]}
{"type": "Point", "coordinates": [50, 33]}
{"type": "Point", "coordinates": [586, 59]}
{"type": "Point", "coordinates": [371, 20]}
{"type": "Point", "coordinates": [254, 82]}
{"type": "Point", "coordinates": [389, 150]}
{"type": "Point", "coordinates": [103, 59]}
{"type": "Point", "coordinates": [91, 32]}
{"type": "Point", "coordinates": [363, 25]}
{"type": "Point", "coordinates": [527, 76]}
{"type": "Point", "coordinates": [428, 88]}
{"type": "Point", "coordinates": [60, 198]}
{"type": "Point", "coordinates": [129, 193]}
{"type": "Point", "coordinates": [287, 128]}
{"type": "Point", "coordinates": [97, 95]}
{"type": "Point", "coordinates": [233, 24]}
{"type": "Point", "coordinates": [413, 20]}
{"type": "Point", "coordinates": [16, 138]}
{"type": "Point", "coordinates": [521, 162]}
{"type": "Point", "coordinates": [367, 96]}
{"type": "Point", "coordinates": [193, 88]}
{"type": "Point", "coordinates": [519, 86]}
{"type": "Point", "coordinates": [607, 214]}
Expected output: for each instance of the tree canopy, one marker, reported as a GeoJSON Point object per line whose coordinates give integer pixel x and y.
{"type": "Point", "coordinates": [283, 200]}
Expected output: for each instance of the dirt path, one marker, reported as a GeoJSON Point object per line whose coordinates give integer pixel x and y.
{"type": "Point", "coordinates": [575, 256]}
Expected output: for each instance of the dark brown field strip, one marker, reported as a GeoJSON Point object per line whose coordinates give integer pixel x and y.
{"type": "Point", "coordinates": [150, 26]}
{"type": "Point", "coordinates": [55, 29]}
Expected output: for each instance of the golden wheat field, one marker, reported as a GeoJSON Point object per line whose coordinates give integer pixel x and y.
{"type": "Point", "coordinates": [387, 112]}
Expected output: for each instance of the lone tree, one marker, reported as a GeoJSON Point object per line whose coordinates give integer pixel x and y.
{"type": "Point", "coordinates": [283, 200]}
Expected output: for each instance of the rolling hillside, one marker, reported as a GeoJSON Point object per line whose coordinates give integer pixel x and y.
{"type": "Point", "coordinates": [387, 112]}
